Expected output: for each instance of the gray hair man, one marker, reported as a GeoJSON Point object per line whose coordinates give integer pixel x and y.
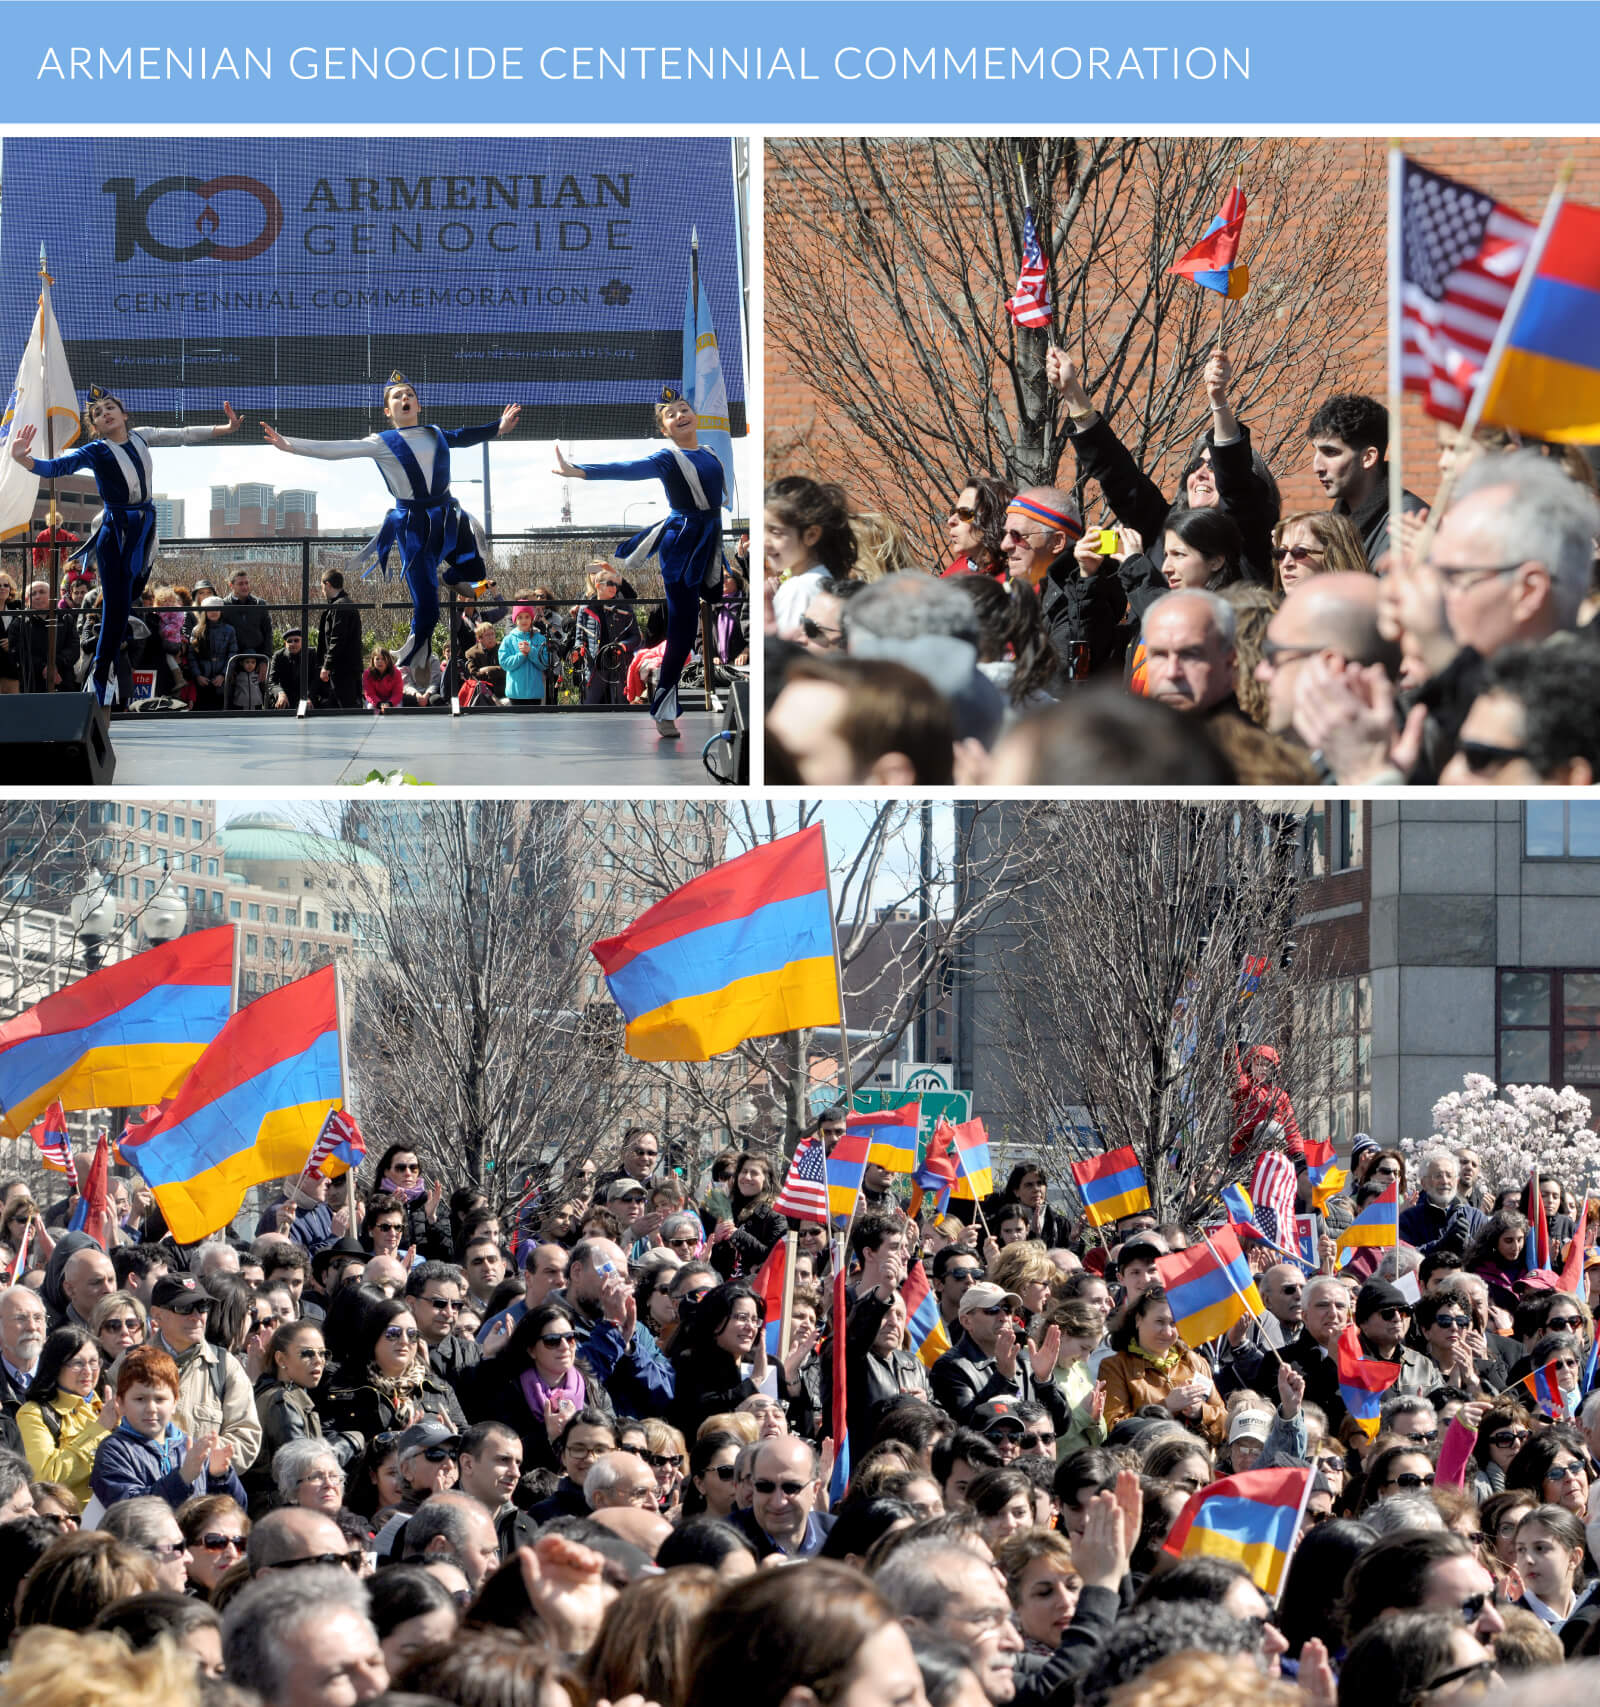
{"type": "Point", "coordinates": [304, 1639]}
{"type": "Point", "coordinates": [1191, 653]}
{"type": "Point", "coordinates": [940, 1587]}
{"type": "Point", "coordinates": [618, 1479]}
{"type": "Point", "coordinates": [23, 1328]}
{"type": "Point", "coordinates": [454, 1526]}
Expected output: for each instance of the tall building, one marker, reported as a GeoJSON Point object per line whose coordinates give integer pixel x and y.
{"type": "Point", "coordinates": [169, 517]}
{"type": "Point", "coordinates": [254, 510]}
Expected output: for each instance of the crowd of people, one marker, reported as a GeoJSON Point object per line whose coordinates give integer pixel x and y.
{"type": "Point", "coordinates": [1204, 635]}
{"type": "Point", "coordinates": [381, 1449]}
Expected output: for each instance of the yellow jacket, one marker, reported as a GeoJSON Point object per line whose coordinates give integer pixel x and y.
{"type": "Point", "coordinates": [70, 1458]}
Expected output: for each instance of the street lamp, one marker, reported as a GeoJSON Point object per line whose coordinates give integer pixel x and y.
{"type": "Point", "coordinates": [93, 911]}
{"type": "Point", "coordinates": [165, 915]}
{"type": "Point", "coordinates": [646, 504]}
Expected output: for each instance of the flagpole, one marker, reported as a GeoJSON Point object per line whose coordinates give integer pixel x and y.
{"type": "Point", "coordinates": [843, 1254]}
{"type": "Point", "coordinates": [340, 1018]}
{"type": "Point", "coordinates": [791, 1245]}
{"type": "Point", "coordinates": [1497, 350]}
{"type": "Point", "coordinates": [233, 987]}
{"type": "Point", "coordinates": [1396, 262]}
{"type": "Point", "coordinates": [54, 522]}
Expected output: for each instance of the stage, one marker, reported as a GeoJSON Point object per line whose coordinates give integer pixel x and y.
{"type": "Point", "coordinates": [574, 750]}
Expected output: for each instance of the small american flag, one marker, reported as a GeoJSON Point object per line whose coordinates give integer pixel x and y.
{"type": "Point", "coordinates": [339, 1133]}
{"type": "Point", "coordinates": [1272, 1189]}
{"type": "Point", "coordinates": [1029, 304]}
{"type": "Point", "coordinates": [805, 1190]}
{"type": "Point", "coordinates": [54, 1144]}
{"type": "Point", "coordinates": [1461, 251]}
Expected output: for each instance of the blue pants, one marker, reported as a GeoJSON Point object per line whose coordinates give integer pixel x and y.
{"type": "Point", "coordinates": [683, 617]}
{"type": "Point", "coordinates": [420, 563]}
{"type": "Point", "coordinates": [122, 551]}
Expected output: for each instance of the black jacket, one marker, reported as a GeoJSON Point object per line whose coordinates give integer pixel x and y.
{"type": "Point", "coordinates": [1371, 518]}
{"type": "Point", "coordinates": [707, 1382]}
{"type": "Point", "coordinates": [492, 1392]}
{"type": "Point", "coordinates": [453, 1356]}
{"type": "Point", "coordinates": [1321, 1373]}
{"type": "Point", "coordinates": [566, 1501]}
{"type": "Point", "coordinates": [1086, 616]}
{"type": "Point", "coordinates": [252, 622]}
{"type": "Point", "coordinates": [874, 1382]}
{"type": "Point", "coordinates": [284, 675]}
{"type": "Point", "coordinates": [339, 638]}
{"type": "Point", "coordinates": [356, 1407]}
{"type": "Point", "coordinates": [963, 1378]}
{"type": "Point", "coordinates": [749, 1244]}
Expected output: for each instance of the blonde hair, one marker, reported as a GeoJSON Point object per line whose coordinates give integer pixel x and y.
{"type": "Point", "coordinates": [51, 1667]}
{"type": "Point", "coordinates": [1020, 1263]}
{"type": "Point", "coordinates": [1342, 552]}
{"type": "Point", "coordinates": [741, 1423]}
{"type": "Point", "coordinates": [1194, 1679]}
{"type": "Point", "coordinates": [601, 566]}
{"type": "Point", "coordinates": [661, 1437]}
{"type": "Point", "coordinates": [165, 597]}
{"type": "Point", "coordinates": [881, 547]}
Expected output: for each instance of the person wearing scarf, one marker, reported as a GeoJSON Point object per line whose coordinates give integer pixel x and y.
{"type": "Point", "coordinates": [146, 1452]}
{"type": "Point", "coordinates": [1152, 1366]}
{"type": "Point", "coordinates": [394, 1386]}
{"type": "Point", "coordinates": [537, 1382]}
{"type": "Point", "coordinates": [399, 1173]}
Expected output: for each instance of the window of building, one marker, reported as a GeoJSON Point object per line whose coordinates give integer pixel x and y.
{"type": "Point", "coordinates": [216, 899]}
{"type": "Point", "coordinates": [588, 890]}
{"type": "Point", "coordinates": [252, 945]}
{"type": "Point", "coordinates": [271, 947]}
{"type": "Point", "coordinates": [1333, 838]}
{"type": "Point", "coordinates": [1340, 1014]}
{"type": "Point", "coordinates": [144, 819]}
{"type": "Point", "coordinates": [291, 916]}
{"type": "Point", "coordinates": [272, 915]}
{"type": "Point", "coordinates": [211, 868]}
{"type": "Point", "coordinates": [183, 893]}
{"type": "Point", "coordinates": [311, 919]}
{"type": "Point", "coordinates": [149, 887]}
{"type": "Point", "coordinates": [1549, 1028]}
{"type": "Point", "coordinates": [234, 910]}
{"type": "Point", "coordinates": [255, 911]}
{"type": "Point", "coordinates": [178, 826]}
{"type": "Point", "coordinates": [287, 944]}
{"type": "Point", "coordinates": [305, 951]}
{"type": "Point", "coordinates": [250, 983]}
{"type": "Point", "coordinates": [161, 822]}
{"type": "Point", "coordinates": [1561, 829]}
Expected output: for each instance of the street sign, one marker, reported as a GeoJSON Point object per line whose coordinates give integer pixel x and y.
{"type": "Point", "coordinates": [954, 1106]}
{"type": "Point", "coordinates": [936, 1076]}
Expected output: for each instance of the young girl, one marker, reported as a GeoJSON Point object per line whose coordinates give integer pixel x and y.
{"type": "Point", "coordinates": [381, 682]}
{"type": "Point", "coordinates": [688, 544]}
{"type": "Point", "coordinates": [171, 631]}
{"type": "Point", "coordinates": [119, 458]}
{"type": "Point", "coordinates": [523, 657]}
{"type": "Point", "coordinates": [211, 645]}
{"type": "Point", "coordinates": [808, 541]}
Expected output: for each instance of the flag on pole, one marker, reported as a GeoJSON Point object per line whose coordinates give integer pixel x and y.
{"type": "Point", "coordinates": [703, 385]}
{"type": "Point", "coordinates": [840, 1480]}
{"type": "Point", "coordinates": [891, 1136]}
{"type": "Point", "coordinates": [1253, 1517]}
{"type": "Point", "coordinates": [1251, 972]}
{"type": "Point", "coordinates": [1461, 252]}
{"type": "Point", "coordinates": [1377, 1226]}
{"type": "Point", "coordinates": [805, 1189]}
{"type": "Point", "coordinates": [1111, 1185]}
{"type": "Point", "coordinates": [767, 1284]}
{"type": "Point", "coordinates": [1322, 1169]}
{"type": "Point", "coordinates": [1547, 383]}
{"type": "Point", "coordinates": [1572, 1268]}
{"type": "Point", "coordinates": [1544, 1386]}
{"type": "Point", "coordinates": [43, 393]}
{"type": "Point", "coordinates": [92, 1212]}
{"type": "Point", "coordinates": [937, 1170]}
{"type": "Point", "coordinates": [54, 1144]}
{"type": "Point", "coordinates": [1242, 1214]}
{"type": "Point", "coordinates": [125, 1035]}
{"type": "Point", "coordinates": [974, 1165]}
{"type": "Point", "coordinates": [1536, 1247]}
{"type": "Point", "coordinates": [1272, 1191]}
{"type": "Point", "coordinates": [846, 1167]}
{"type": "Point", "coordinates": [19, 1263]}
{"type": "Point", "coordinates": [1209, 1287]}
{"type": "Point", "coordinates": [1213, 263]}
{"type": "Point", "coordinates": [744, 951]}
{"type": "Point", "coordinates": [340, 1142]}
{"type": "Point", "coordinates": [929, 1339]}
{"type": "Point", "coordinates": [1363, 1380]}
{"type": "Point", "coordinates": [1029, 303]}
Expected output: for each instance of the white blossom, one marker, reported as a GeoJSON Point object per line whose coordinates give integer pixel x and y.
{"type": "Point", "coordinates": [1515, 1130]}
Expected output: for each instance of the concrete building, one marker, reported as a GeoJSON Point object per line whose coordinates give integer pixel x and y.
{"type": "Point", "coordinates": [169, 517]}
{"type": "Point", "coordinates": [254, 510]}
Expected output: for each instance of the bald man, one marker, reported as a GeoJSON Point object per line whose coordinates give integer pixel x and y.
{"type": "Point", "coordinates": [1081, 600]}
{"type": "Point", "coordinates": [1190, 653]}
{"type": "Point", "coordinates": [1334, 616]}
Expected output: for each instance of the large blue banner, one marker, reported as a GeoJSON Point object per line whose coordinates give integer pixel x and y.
{"type": "Point", "coordinates": [290, 276]}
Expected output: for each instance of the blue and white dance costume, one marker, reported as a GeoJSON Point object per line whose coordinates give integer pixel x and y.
{"type": "Point", "coordinates": [436, 538]}
{"type": "Point", "coordinates": [688, 545]}
{"type": "Point", "coordinates": [122, 544]}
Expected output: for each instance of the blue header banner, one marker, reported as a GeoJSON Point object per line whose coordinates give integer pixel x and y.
{"type": "Point", "coordinates": [291, 276]}
{"type": "Point", "coordinates": [1373, 63]}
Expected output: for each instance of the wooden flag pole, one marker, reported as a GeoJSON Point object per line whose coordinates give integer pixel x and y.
{"type": "Point", "coordinates": [1394, 244]}
{"type": "Point", "coordinates": [791, 1244]}
{"type": "Point", "coordinates": [842, 1249]}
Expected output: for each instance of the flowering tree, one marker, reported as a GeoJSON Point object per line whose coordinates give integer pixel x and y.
{"type": "Point", "coordinates": [1516, 1130]}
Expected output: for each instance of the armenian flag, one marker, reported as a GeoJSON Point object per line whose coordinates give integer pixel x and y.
{"type": "Point", "coordinates": [1111, 1185]}
{"type": "Point", "coordinates": [937, 1170]}
{"type": "Point", "coordinates": [122, 1036]}
{"type": "Point", "coordinates": [767, 1284]}
{"type": "Point", "coordinates": [1242, 1213]}
{"type": "Point", "coordinates": [1252, 1517]}
{"type": "Point", "coordinates": [1547, 384]}
{"type": "Point", "coordinates": [54, 1144]}
{"type": "Point", "coordinates": [1362, 1381]}
{"type": "Point", "coordinates": [1209, 1287]}
{"type": "Point", "coordinates": [1213, 263]}
{"type": "Point", "coordinates": [1536, 1247]}
{"type": "Point", "coordinates": [974, 1166]}
{"type": "Point", "coordinates": [1252, 969]}
{"type": "Point", "coordinates": [891, 1135]}
{"type": "Point", "coordinates": [1545, 1389]}
{"type": "Point", "coordinates": [1591, 1365]}
{"type": "Point", "coordinates": [250, 1110]}
{"type": "Point", "coordinates": [847, 1166]}
{"type": "Point", "coordinates": [840, 1480]}
{"type": "Point", "coordinates": [929, 1340]}
{"type": "Point", "coordinates": [92, 1213]}
{"type": "Point", "coordinates": [1577, 1250]}
{"type": "Point", "coordinates": [1323, 1170]}
{"type": "Point", "coordinates": [1377, 1225]}
{"type": "Point", "coordinates": [744, 951]}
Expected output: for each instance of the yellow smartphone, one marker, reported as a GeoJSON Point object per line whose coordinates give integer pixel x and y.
{"type": "Point", "coordinates": [1105, 541]}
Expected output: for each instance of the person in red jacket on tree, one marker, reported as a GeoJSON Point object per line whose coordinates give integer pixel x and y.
{"type": "Point", "coordinates": [1260, 1101]}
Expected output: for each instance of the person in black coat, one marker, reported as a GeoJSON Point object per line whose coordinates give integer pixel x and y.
{"type": "Point", "coordinates": [388, 1383]}
{"type": "Point", "coordinates": [283, 677]}
{"type": "Point", "coordinates": [879, 1367]}
{"type": "Point", "coordinates": [587, 1435]}
{"type": "Point", "coordinates": [742, 1243]}
{"type": "Point", "coordinates": [399, 1172]}
{"type": "Point", "coordinates": [251, 617]}
{"type": "Point", "coordinates": [1026, 1188]}
{"type": "Point", "coordinates": [715, 1338]}
{"type": "Point", "coordinates": [339, 643]}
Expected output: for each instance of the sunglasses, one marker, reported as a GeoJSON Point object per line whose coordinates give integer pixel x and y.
{"type": "Point", "coordinates": [120, 1325]}
{"type": "Point", "coordinates": [815, 630]}
{"type": "Point", "coordinates": [1331, 1466]}
{"type": "Point", "coordinates": [1481, 756]}
{"type": "Point", "coordinates": [1393, 1313]}
{"type": "Point", "coordinates": [1471, 1609]}
{"type": "Point", "coordinates": [405, 1167]}
{"type": "Point", "coordinates": [350, 1561]}
{"type": "Point", "coordinates": [1553, 1324]}
{"type": "Point", "coordinates": [963, 512]}
{"type": "Point", "coordinates": [1560, 1472]}
{"type": "Point", "coordinates": [1315, 1518]}
{"type": "Point", "coordinates": [1483, 1671]}
{"type": "Point", "coordinates": [402, 1336]}
{"type": "Point", "coordinates": [1298, 552]}
{"type": "Point", "coordinates": [311, 1353]}
{"type": "Point", "coordinates": [436, 1454]}
{"type": "Point", "coordinates": [723, 1472]}
{"type": "Point", "coordinates": [968, 1274]}
{"type": "Point", "coordinates": [215, 1543]}
{"type": "Point", "coordinates": [990, 1310]}
{"type": "Point", "coordinates": [1508, 1437]}
{"type": "Point", "coordinates": [661, 1460]}
{"type": "Point", "coordinates": [555, 1341]}
{"type": "Point", "coordinates": [763, 1486]}
{"type": "Point", "coordinates": [167, 1551]}
{"type": "Point", "coordinates": [442, 1303]}
{"type": "Point", "coordinates": [1410, 1479]}
{"type": "Point", "coordinates": [1444, 1321]}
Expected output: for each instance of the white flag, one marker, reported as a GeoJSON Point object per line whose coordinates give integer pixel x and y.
{"type": "Point", "coordinates": [705, 389]}
{"type": "Point", "coordinates": [45, 399]}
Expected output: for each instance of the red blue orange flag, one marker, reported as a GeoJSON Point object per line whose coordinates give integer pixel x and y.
{"type": "Point", "coordinates": [891, 1135]}
{"type": "Point", "coordinates": [1209, 1287]}
{"type": "Point", "coordinates": [1363, 1381]}
{"type": "Point", "coordinates": [1111, 1185]}
{"type": "Point", "coordinates": [1253, 1517]}
{"type": "Point", "coordinates": [1577, 1250]}
{"type": "Point", "coordinates": [1544, 1385]}
{"type": "Point", "coordinates": [767, 1284]}
{"type": "Point", "coordinates": [1322, 1169]}
{"type": "Point", "coordinates": [974, 1165]}
{"type": "Point", "coordinates": [1536, 1247]}
{"type": "Point", "coordinates": [929, 1338]}
{"type": "Point", "coordinates": [744, 951]}
{"type": "Point", "coordinates": [936, 1172]}
{"type": "Point", "coordinates": [250, 1110]}
{"type": "Point", "coordinates": [1213, 263]}
{"type": "Point", "coordinates": [1378, 1225]}
{"type": "Point", "coordinates": [123, 1036]}
{"type": "Point", "coordinates": [846, 1167]}
{"type": "Point", "coordinates": [92, 1214]}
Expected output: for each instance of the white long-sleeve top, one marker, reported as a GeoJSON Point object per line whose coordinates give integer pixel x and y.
{"type": "Point", "coordinates": [421, 441]}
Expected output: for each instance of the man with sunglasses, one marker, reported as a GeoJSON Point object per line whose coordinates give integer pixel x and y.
{"type": "Point", "coordinates": [1383, 1319]}
{"type": "Point", "coordinates": [990, 1361]}
{"type": "Point", "coordinates": [294, 1537]}
{"type": "Point", "coordinates": [1328, 616]}
{"type": "Point", "coordinates": [822, 626]}
{"type": "Point", "coordinates": [1536, 721]}
{"type": "Point", "coordinates": [434, 1293]}
{"type": "Point", "coordinates": [954, 1270]}
{"type": "Point", "coordinates": [214, 1392]}
{"type": "Point", "coordinates": [1436, 1571]}
{"type": "Point", "coordinates": [618, 1347]}
{"type": "Point", "coordinates": [1083, 608]}
{"type": "Point", "coordinates": [782, 1517]}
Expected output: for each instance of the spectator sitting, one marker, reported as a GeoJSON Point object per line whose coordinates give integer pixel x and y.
{"type": "Point", "coordinates": [483, 659]}
{"type": "Point", "coordinates": [284, 678]}
{"type": "Point", "coordinates": [245, 693]}
{"type": "Point", "coordinates": [523, 656]}
{"type": "Point", "coordinates": [382, 685]}
{"type": "Point", "coordinates": [423, 681]}
{"type": "Point", "coordinates": [211, 646]}
{"type": "Point", "coordinates": [854, 720]}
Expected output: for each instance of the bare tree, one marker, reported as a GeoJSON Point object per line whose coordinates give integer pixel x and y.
{"type": "Point", "coordinates": [894, 950]}
{"type": "Point", "coordinates": [898, 255]}
{"type": "Point", "coordinates": [1124, 994]}
{"type": "Point", "coordinates": [471, 1034]}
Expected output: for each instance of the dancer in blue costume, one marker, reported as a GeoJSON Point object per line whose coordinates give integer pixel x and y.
{"type": "Point", "coordinates": [437, 539]}
{"type": "Point", "coordinates": [118, 456]}
{"type": "Point", "coordinates": [688, 543]}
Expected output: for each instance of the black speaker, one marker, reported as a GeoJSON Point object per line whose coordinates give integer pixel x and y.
{"type": "Point", "coordinates": [55, 740]}
{"type": "Point", "coordinates": [726, 755]}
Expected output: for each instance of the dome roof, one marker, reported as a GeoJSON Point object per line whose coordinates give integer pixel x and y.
{"type": "Point", "coordinates": [258, 836]}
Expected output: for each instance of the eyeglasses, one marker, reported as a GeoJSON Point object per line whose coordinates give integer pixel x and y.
{"type": "Point", "coordinates": [335, 1478]}
{"type": "Point", "coordinates": [397, 1335]}
{"type": "Point", "coordinates": [1553, 1324]}
{"type": "Point", "coordinates": [1393, 1312]}
{"type": "Point", "coordinates": [311, 1353]}
{"type": "Point", "coordinates": [435, 1454]}
{"type": "Point", "coordinates": [577, 1451]}
{"type": "Point", "coordinates": [1410, 1479]}
{"type": "Point", "coordinates": [167, 1551]}
{"type": "Point", "coordinates": [405, 1167]}
{"type": "Point", "coordinates": [212, 1542]}
{"type": "Point", "coordinates": [1560, 1472]}
{"type": "Point", "coordinates": [1299, 552]}
{"type": "Point", "coordinates": [1444, 1321]}
{"type": "Point", "coordinates": [763, 1486]}
{"type": "Point", "coordinates": [1481, 1671]}
{"type": "Point", "coordinates": [694, 1294]}
{"type": "Point", "coordinates": [1460, 578]}
{"type": "Point", "coordinates": [451, 1304]}
{"type": "Point", "coordinates": [1275, 652]}
{"type": "Point", "coordinates": [555, 1341]}
{"type": "Point", "coordinates": [350, 1561]}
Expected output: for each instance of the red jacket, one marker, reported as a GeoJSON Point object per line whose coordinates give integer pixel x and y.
{"type": "Point", "coordinates": [383, 690]}
{"type": "Point", "coordinates": [1256, 1105]}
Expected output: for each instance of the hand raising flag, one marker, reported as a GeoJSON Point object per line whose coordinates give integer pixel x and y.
{"type": "Point", "coordinates": [1029, 303]}
{"type": "Point", "coordinates": [1213, 263]}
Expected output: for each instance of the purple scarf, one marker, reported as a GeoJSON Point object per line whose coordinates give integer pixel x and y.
{"type": "Point", "coordinates": [570, 1386]}
{"type": "Point", "coordinates": [409, 1193]}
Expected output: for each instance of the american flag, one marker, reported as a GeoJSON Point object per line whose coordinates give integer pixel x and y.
{"type": "Point", "coordinates": [1272, 1189]}
{"type": "Point", "coordinates": [805, 1190]}
{"type": "Point", "coordinates": [52, 1141]}
{"type": "Point", "coordinates": [1461, 251]}
{"type": "Point", "coordinates": [339, 1132]}
{"type": "Point", "coordinates": [1029, 304]}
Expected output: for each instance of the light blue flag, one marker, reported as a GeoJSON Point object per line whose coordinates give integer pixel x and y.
{"type": "Point", "coordinates": [704, 387]}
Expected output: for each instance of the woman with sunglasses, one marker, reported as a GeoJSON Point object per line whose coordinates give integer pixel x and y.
{"type": "Point", "coordinates": [1414, 1659]}
{"type": "Point", "coordinates": [711, 1490]}
{"type": "Point", "coordinates": [215, 1530]}
{"type": "Point", "coordinates": [1314, 542]}
{"type": "Point", "coordinates": [1550, 1553]}
{"type": "Point", "coordinates": [652, 1294]}
{"type": "Point", "coordinates": [976, 528]}
{"type": "Point", "coordinates": [427, 1230]}
{"type": "Point", "coordinates": [1502, 1434]}
{"type": "Point", "coordinates": [394, 1385]}
{"type": "Point", "coordinates": [667, 1453]}
{"type": "Point", "coordinates": [1396, 1466]}
{"type": "Point", "coordinates": [1554, 1467]}
{"type": "Point", "coordinates": [60, 1421]}
{"type": "Point", "coordinates": [286, 1403]}
{"type": "Point", "coordinates": [1443, 1323]}
{"type": "Point", "coordinates": [118, 1323]}
{"type": "Point", "coordinates": [537, 1381]}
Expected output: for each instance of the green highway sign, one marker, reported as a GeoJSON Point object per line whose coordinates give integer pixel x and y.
{"type": "Point", "coordinates": [954, 1106]}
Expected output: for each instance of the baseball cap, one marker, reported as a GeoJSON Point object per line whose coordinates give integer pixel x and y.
{"type": "Point", "coordinates": [1250, 1425]}
{"type": "Point", "coordinates": [993, 1415]}
{"type": "Point", "coordinates": [984, 1295]}
{"type": "Point", "coordinates": [180, 1292]}
{"type": "Point", "coordinates": [421, 1435]}
{"type": "Point", "coordinates": [624, 1187]}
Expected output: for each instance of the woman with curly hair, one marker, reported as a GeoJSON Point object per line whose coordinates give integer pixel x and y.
{"type": "Point", "coordinates": [389, 1384]}
{"type": "Point", "coordinates": [1315, 542]}
{"type": "Point", "coordinates": [1495, 1255]}
{"type": "Point", "coordinates": [1152, 1366]}
{"type": "Point", "coordinates": [976, 527]}
{"type": "Point", "coordinates": [1014, 648]}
